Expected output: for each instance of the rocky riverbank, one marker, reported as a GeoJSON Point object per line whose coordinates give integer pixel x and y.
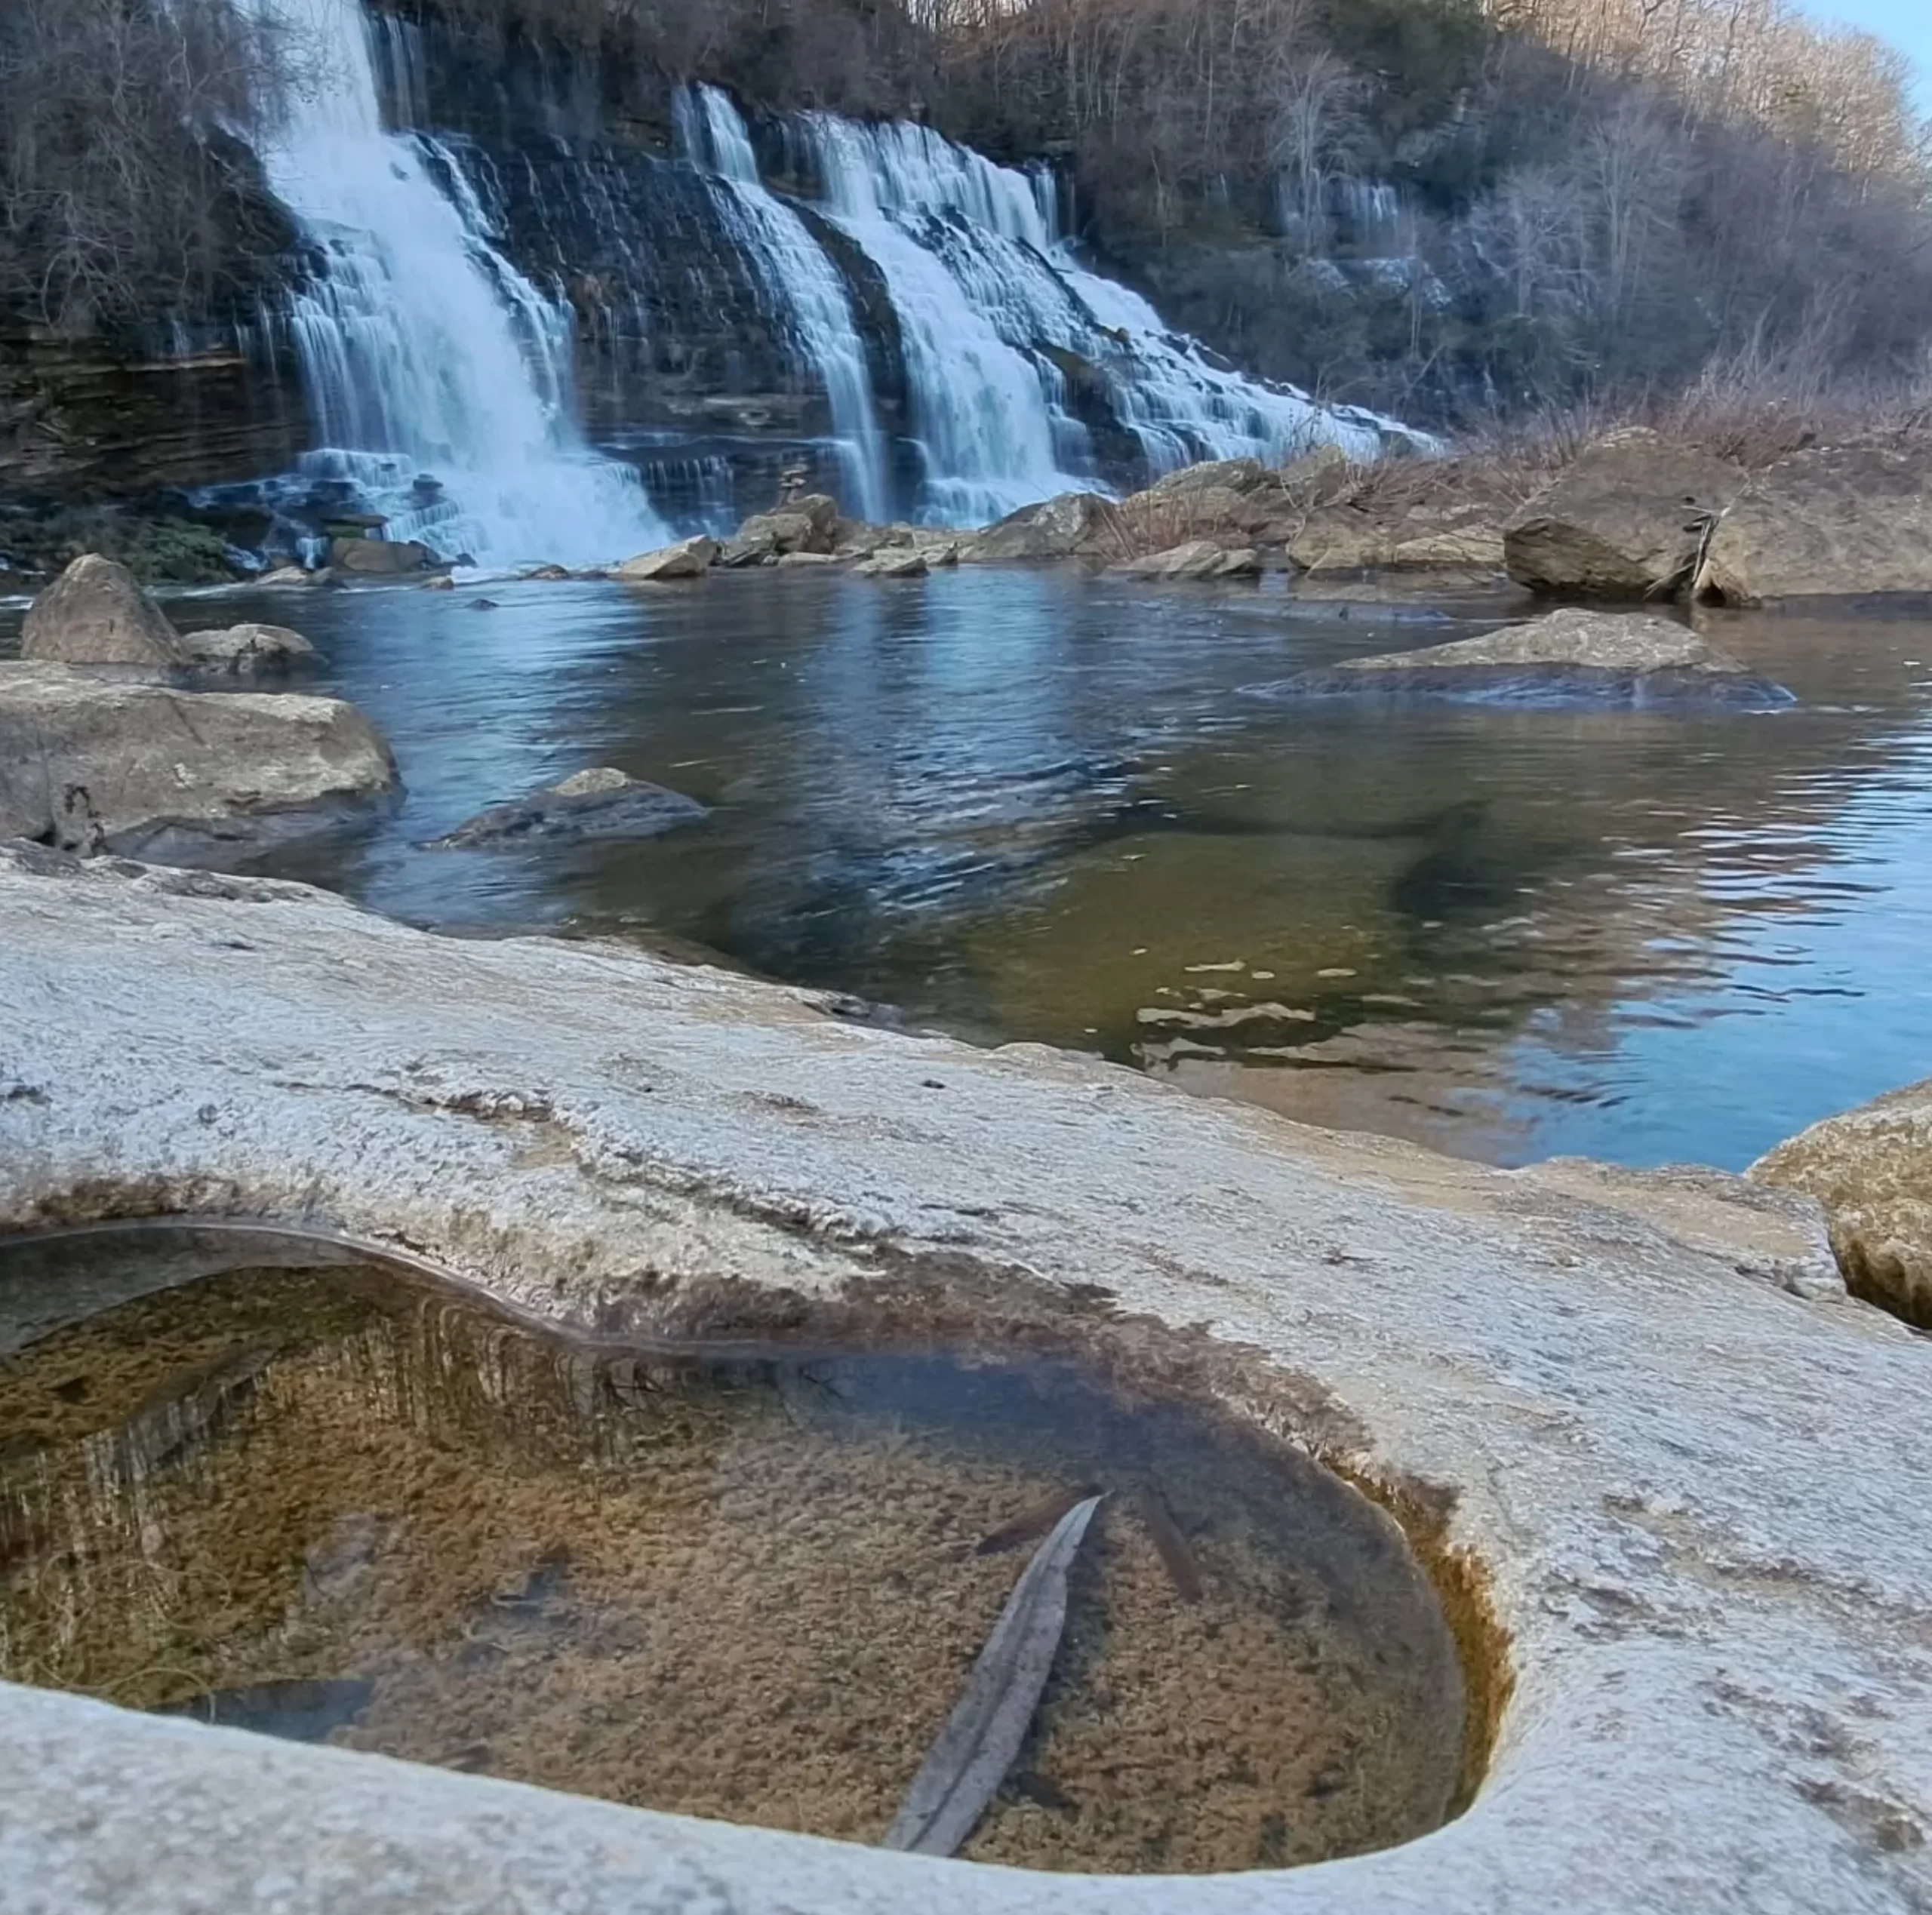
{"type": "Point", "coordinates": [1667, 1473]}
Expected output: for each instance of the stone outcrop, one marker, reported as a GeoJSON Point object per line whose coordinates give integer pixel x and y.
{"type": "Point", "coordinates": [1871, 1169]}
{"type": "Point", "coordinates": [1628, 520]}
{"type": "Point", "coordinates": [95, 613]}
{"type": "Point", "coordinates": [1829, 522]}
{"type": "Point", "coordinates": [249, 651]}
{"type": "Point", "coordinates": [602, 803]}
{"type": "Point", "coordinates": [689, 559]}
{"type": "Point", "coordinates": [1575, 655]}
{"type": "Point", "coordinates": [1071, 525]}
{"type": "Point", "coordinates": [379, 558]}
{"type": "Point", "coordinates": [1366, 538]}
{"type": "Point", "coordinates": [93, 766]}
{"type": "Point", "coordinates": [808, 525]}
{"type": "Point", "coordinates": [1672, 1480]}
{"type": "Point", "coordinates": [894, 562]}
{"type": "Point", "coordinates": [1198, 558]}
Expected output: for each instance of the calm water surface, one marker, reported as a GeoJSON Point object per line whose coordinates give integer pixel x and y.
{"type": "Point", "coordinates": [1026, 805]}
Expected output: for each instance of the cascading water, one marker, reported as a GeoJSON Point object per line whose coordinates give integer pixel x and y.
{"type": "Point", "coordinates": [989, 298]}
{"type": "Point", "coordinates": [817, 306]}
{"type": "Point", "coordinates": [438, 377]}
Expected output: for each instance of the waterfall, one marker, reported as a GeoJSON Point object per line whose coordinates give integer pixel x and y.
{"type": "Point", "coordinates": [817, 307]}
{"type": "Point", "coordinates": [996, 310]}
{"type": "Point", "coordinates": [438, 377]}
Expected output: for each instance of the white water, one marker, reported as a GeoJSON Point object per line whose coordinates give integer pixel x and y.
{"type": "Point", "coordinates": [424, 351]}
{"type": "Point", "coordinates": [986, 289]}
{"type": "Point", "coordinates": [817, 307]}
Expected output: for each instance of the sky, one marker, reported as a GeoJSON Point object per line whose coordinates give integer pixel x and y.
{"type": "Point", "coordinates": [1906, 24]}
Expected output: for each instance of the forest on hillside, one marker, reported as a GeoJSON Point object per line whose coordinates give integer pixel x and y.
{"type": "Point", "coordinates": [1453, 210]}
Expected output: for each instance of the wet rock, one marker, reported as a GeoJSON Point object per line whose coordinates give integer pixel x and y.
{"type": "Point", "coordinates": [802, 561]}
{"type": "Point", "coordinates": [1199, 558]}
{"type": "Point", "coordinates": [88, 766]}
{"type": "Point", "coordinates": [95, 613]}
{"type": "Point", "coordinates": [809, 524]}
{"type": "Point", "coordinates": [1628, 520]}
{"type": "Point", "coordinates": [690, 558]}
{"type": "Point", "coordinates": [1871, 1169]}
{"type": "Point", "coordinates": [1072, 525]}
{"type": "Point", "coordinates": [599, 804]}
{"type": "Point", "coordinates": [442, 582]}
{"type": "Point", "coordinates": [899, 562]}
{"type": "Point", "coordinates": [545, 574]}
{"type": "Point", "coordinates": [1830, 522]}
{"type": "Point", "coordinates": [250, 651]}
{"type": "Point", "coordinates": [1573, 656]}
{"type": "Point", "coordinates": [379, 558]}
{"type": "Point", "coordinates": [286, 576]}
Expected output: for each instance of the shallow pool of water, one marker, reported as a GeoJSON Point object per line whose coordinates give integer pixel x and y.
{"type": "Point", "coordinates": [244, 1480]}
{"type": "Point", "coordinates": [1028, 805]}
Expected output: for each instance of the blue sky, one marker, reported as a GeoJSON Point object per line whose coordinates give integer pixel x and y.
{"type": "Point", "coordinates": [1906, 24]}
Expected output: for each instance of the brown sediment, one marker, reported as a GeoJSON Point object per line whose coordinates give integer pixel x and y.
{"type": "Point", "coordinates": [715, 1592]}
{"type": "Point", "coordinates": [1032, 1524]}
{"type": "Point", "coordinates": [1183, 1572]}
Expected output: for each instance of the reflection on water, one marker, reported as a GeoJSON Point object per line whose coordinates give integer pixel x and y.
{"type": "Point", "coordinates": [1026, 805]}
{"type": "Point", "coordinates": [337, 1504]}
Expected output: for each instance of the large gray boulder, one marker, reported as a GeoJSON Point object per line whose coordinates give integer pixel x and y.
{"type": "Point", "coordinates": [92, 766]}
{"type": "Point", "coordinates": [600, 803]}
{"type": "Point", "coordinates": [1571, 656]}
{"type": "Point", "coordinates": [1838, 521]}
{"type": "Point", "coordinates": [1628, 520]}
{"type": "Point", "coordinates": [249, 651]}
{"type": "Point", "coordinates": [1072, 525]}
{"type": "Point", "coordinates": [1871, 1169]}
{"type": "Point", "coordinates": [1198, 559]}
{"type": "Point", "coordinates": [95, 614]}
{"type": "Point", "coordinates": [689, 559]}
{"type": "Point", "coordinates": [379, 558]}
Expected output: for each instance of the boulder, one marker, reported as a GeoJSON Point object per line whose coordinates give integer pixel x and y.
{"type": "Point", "coordinates": [1839, 521]}
{"type": "Point", "coordinates": [545, 574]}
{"type": "Point", "coordinates": [1571, 656]}
{"type": "Point", "coordinates": [93, 766]}
{"type": "Point", "coordinates": [379, 558]}
{"type": "Point", "coordinates": [286, 576]}
{"type": "Point", "coordinates": [599, 804]}
{"type": "Point", "coordinates": [250, 651]}
{"type": "Point", "coordinates": [1198, 558]}
{"type": "Point", "coordinates": [95, 613]}
{"type": "Point", "coordinates": [760, 549]}
{"type": "Point", "coordinates": [1353, 538]}
{"type": "Point", "coordinates": [1629, 519]}
{"type": "Point", "coordinates": [1871, 1169]}
{"type": "Point", "coordinates": [809, 524]}
{"type": "Point", "coordinates": [799, 560]}
{"type": "Point", "coordinates": [1070, 526]}
{"type": "Point", "coordinates": [689, 559]}
{"type": "Point", "coordinates": [895, 562]}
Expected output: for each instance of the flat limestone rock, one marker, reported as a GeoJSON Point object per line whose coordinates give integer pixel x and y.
{"type": "Point", "coordinates": [1628, 520]}
{"type": "Point", "coordinates": [1198, 558]}
{"type": "Point", "coordinates": [250, 651]}
{"type": "Point", "coordinates": [379, 558]}
{"type": "Point", "coordinates": [894, 562]}
{"type": "Point", "coordinates": [1836, 522]}
{"type": "Point", "coordinates": [1573, 656]}
{"type": "Point", "coordinates": [600, 803]}
{"type": "Point", "coordinates": [93, 766]}
{"type": "Point", "coordinates": [1871, 1169]}
{"type": "Point", "coordinates": [95, 614]}
{"type": "Point", "coordinates": [1683, 1500]}
{"type": "Point", "coordinates": [1349, 538]}
{"type": "Point", "coordinates": [690, 558]}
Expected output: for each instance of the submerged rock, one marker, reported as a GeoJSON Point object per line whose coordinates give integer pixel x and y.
{"type": "Point", "coordinates": [1830, 522]}
{"type": "Point", "coordinates": [1628, 520]}
{"type": "Point", "coordinates": [690, 558]}
{"type": "Point", "coordinates": [602, 803]}
{"type": "Point", "coordinates": [1871, 1169]}
{"type": "Point", "coordinates": [250, 651]}
{"type": "Point", "coordinates": [1574, 656]}
{"type": "Point", "coordinates": [95, 613]}
{"type": "Point", "coordinates": [91, 767]}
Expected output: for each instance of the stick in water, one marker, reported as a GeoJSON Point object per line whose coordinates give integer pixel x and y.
{"type": "Point", "coordinates": [963, 1770]}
